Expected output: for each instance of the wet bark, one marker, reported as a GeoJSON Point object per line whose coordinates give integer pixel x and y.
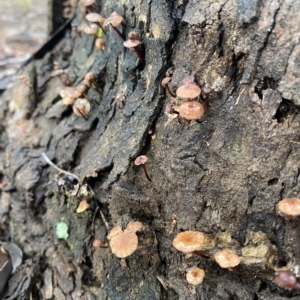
{"type": "Point", "coordinates": [222, 176]}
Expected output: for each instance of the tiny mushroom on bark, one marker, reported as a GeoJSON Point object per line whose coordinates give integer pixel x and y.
{"type": "Point", "coordinates": [134, 226]}
{"type": "Point", "coordinates": [134, 45]}
{"type": "Point", "coordinates": [91, 29]}
{"type": "Point", "coordinates": [218, 91]}
{"type": "Point", "coordinates": [195, 276]}
{"type": "Point", "coordinates": [100, 43]}
{"type": "Point", "coordinates": [98, 243]}
{"type": "Point", "coordinates": [122, 243]}
{"type": "Point", "coordinates": [289, 207]}
{"type": "Point", "coordinates": [206, 91]}
{"type": "Point", "coordinates": [286, 280]}
{"type": "Point", "coordinates": [82, 107]}
{"type": "Point", "coordinates": [141, 160]}
{"type": "Point", "coordinates": [165, 84]}
{"type": "Point", "coordinates": [191, 110]}
{"type": "Point", "coordinates": [227, 259]}
{"type": "Point", "coordinates": [188, 241]}
{"type": "Point", "coordinates": [83, 206]}
{"type": "Point", "coordinates": [88, 4]}
{"type": "Point", "coordinates": [188, 91]}
{"type": "Point", "coordinates": [96, 18]}
{"type": "Point", "coordinates": [69, 95]}
{"type": "Point", "coordinates": [114, 20]}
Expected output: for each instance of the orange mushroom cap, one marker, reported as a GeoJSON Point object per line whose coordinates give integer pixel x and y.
{"type": "Point", "coordinates": [191, 110]}
{"type": "Point", "coordinates": [227, 259]}
{"type": "Point", "coordinates": [114, 19]}
{"type": "Point", "coordinates": [195, 276]}
{"type": "Point", "coordinates": [289, 206]}
{"type": "Point", "coordinates": [131, 43]}
{"type": "Point", "coordinates": [141, 160]}
{"type": "Point", "coordinates": [188, 91]}
{"type": "Point", "coordinates": [124, 244]}
{"type": "Point", "coordinates": [188, 241]}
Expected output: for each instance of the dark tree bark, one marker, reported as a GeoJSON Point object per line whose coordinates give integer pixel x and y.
{"type": "Point", "coordinates": [222, 176]}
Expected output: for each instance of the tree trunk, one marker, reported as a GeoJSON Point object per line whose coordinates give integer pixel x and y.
{"type": "Point", "coordinates": [222, 176]}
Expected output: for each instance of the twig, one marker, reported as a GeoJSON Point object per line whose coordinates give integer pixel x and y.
{"type": "Point", "coordinates": [104, 220]}
{"type": "Point", "coordinates": [50, 163]}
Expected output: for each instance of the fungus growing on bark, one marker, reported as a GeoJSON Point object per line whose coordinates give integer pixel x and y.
{"type": "Point", "coordinates": [122, 243]}
{"type": "Point", "coordinates": [191, 79]}
{"type": "Point", "coordinates": [289, 207]}
{"type": "Point", "coordinates": [286, 280]}
{"type": "Point", "coordinates": [218, 91]}
{"type": "Point", "coordinates": [96, 18]}
{"type": "Point", "coordinates": [195, 276]}
{"type": "Point", "coordinates": [63, 76]}
{"type": "Point", "coordinates": [191, 110]}
{"type": "Point", "coordinates": [90, 81]}
{"type": "Point", "coordinates": [82, 107]}
{"type": "Point", "coordinates": [188, 241]}
{"type": "Point", "coordinates": [134, 45]}
{"type": "Point", "coordinates": [100, 43]}
{"type": "Point", "coordinates": [165, 84]}
{"type": "Point", "coordinates": [69, 95]}
{"type": "Point", "coordinates": [227, 259]}
{"type": "Point", "coordinates": [188, 91]}
{"type": "Point", "coordinates": [91, 29]}
{"type": "Point", "coordinates": [114, 20]}
{"type": "Point", "coordinates": [98, 243]}
{"type": "Point", "coordinates": [83, 206]}
{"type": "Point", "coordinates": [134, 226]}
{"type": "Point", "coordinates": [142, 160]}
{"type": "Point", "coordinates": [206, 91]}
{"type": "Point", "coordinates": [88, 4]}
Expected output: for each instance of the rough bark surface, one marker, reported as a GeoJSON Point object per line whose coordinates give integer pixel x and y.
{"type": "Point", "coordinates": [222, 176]}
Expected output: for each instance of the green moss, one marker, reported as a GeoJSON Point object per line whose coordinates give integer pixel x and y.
{"type": "Point", "coordinates": [61, 230]}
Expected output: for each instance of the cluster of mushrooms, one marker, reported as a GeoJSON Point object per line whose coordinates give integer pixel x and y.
{"type": "Point", "coordinates": [94, 24]}
{"type": "Point", "coordinates": [189, 90]}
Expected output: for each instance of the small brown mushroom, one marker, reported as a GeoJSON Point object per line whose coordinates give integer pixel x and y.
{"type": "Point", "coordinates": [135, 46]}
{"type": "Point", "coordinates": [206, 91]}
{"type": "Point", "coordinates": [115, 20]}
{"type": "Point", "coordinates": [289, 207]}
{"type": "Point", "coordinates": [141, 160]}
{"type": "Point", "coordinates": [123, 244]}
{"type": "Point", "coordinates": [188, 91]}
{"type": "Point", "coordinates": [165, 84]}
{"type": "Point", "coordinates": [96, 18]}
{"type": "Point", "coordinates": [133, 35]}
{"type": "Point", "coordinates": [195, 276]}
{"type": "Point", "coordinates": [134, 226]}
{"type": "Point", "coordinates": [83, 206]}
{"type": "Point", "coordinates": [218, 91]}
{"type": "Point", "coordinates": [69, 95]}
{"type": "Point", "coordinates": [91, 29]}
{"type": "Point", "coordinates": [82, 107]}
{"type": "Point", "coordinates": [191, 110]}
{"type": "Point", "coordinates": [286, 280]}
{"type": "Point", "coordinates": [62, 75]}
{"type": "Point", "coordinates": [188, 241]}
{"type": "Point", "coordinates": [227, 259]}
{"type": "Point", "coordinates": [100, 43]}
{"type": "Point", "coordinates": [98, 243]}
{"type": "Point", "coordinates": [90, 81]}
{"type": "Point", "coordinates": [88, 4]}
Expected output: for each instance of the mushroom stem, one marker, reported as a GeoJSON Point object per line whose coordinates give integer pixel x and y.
{"type": "Point", "coordinates": [92, 9]}
{"type": "Point", "coordinates": [146, 173]}
{"type": "Point", "coordinates": [206, 100]}
{"type": "Point", "coordinates": [170, 92]}
{"type": "Point", "coordinates": [119, 33]}
{"type": "Point", "coordinates": [139, 55]}
{"type": "Point", "coordinates": [200, 254]}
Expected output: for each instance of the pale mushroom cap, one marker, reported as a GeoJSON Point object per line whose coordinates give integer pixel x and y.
{"type": "Point", "coordinates": [188, 91]}
{"type": "Point", "coordinates": [195, 276]}
{"type": "Point", "coordinates": [94, 17]}
{"type": "Point", "coordinates": [116, 230]}
{"type": "Point", "coordinates": [131, 43]}
{"type": "Point", "coordinates": [83, 105]}
{"type": "Point", "coordinates": [124, 244]}
{"type": "Point", "coordinates": [188, 241]}
{"type": "Point", "coordinates": [191, 110]}
{"type": "Point", "coordinates": [68, 100]}
{"type": "Point", "coordinates": [97, 243]}
{"type": "Point", "coordinates": [165, 81]}
{"type": "Point", "coordinates": [87, 2]}
{"type": "Point", "coordinates": [140, 160]}
{"type": "Point", "coordinates": [134, 226]}
{"type": "Point", "coordinates": [289, 206]}
{"type": "Point", "coordinates": [81, 89]}
{"type": "Point", "coordinates": [92, 28]}
{"type": "Point", "coordinates": [68, 92]}
{"type": "Point", "coordinates": [227, 259]}
{"type": "Point", "coordinates": [83, 206]}
{"type": "Point", "coordinates": [100, 43]}
{"type": "Point", "coordinates": [114, 19]}
{"type": "Point", "coordinates": [90, 75]}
